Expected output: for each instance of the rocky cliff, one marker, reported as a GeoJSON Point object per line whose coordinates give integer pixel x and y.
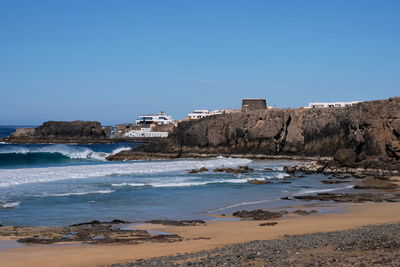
{"type": "Point", "coordinates": [62, 131]}
{"type": "Point", "coordinates": [368, 133]}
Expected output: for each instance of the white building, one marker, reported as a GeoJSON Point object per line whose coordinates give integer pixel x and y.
{"type": "Point", "coordinates": [146, 132]}
{"type": "Point", "coordinates": [332, 104]}
{"type": "Point", "coordinates": [202, 113]}
{"type": "Point", "coordinates": [160, 119]}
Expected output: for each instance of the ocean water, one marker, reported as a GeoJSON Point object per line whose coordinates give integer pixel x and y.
{"type": "Point", "coordinates": [61, 184]}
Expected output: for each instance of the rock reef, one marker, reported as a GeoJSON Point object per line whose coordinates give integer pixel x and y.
{"type": "Point", "coordinates": [62, 132]}
{"type": "Point", "coordinates": [94, 232]}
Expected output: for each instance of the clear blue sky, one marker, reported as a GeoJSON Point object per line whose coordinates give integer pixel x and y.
{"type": "Point", "coordinates": [111, 60]}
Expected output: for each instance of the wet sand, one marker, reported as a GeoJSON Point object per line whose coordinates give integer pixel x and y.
{"type": "Point", "coordinates": [214, 234]}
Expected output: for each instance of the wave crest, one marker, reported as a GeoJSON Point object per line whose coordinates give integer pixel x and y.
{"type": "Point", "coordinates": [70, 151]}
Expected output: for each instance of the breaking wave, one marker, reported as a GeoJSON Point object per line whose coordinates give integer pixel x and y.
{"type": "Point", "coordinates": [184, 183]}
{"type": "Point", "coordinates": [77, 193]}
{"type": "Point", "coordinates": [69, 151]}
{"type": "Point", "coordinates": [11, 177]}
{"type": "Point", "coordinates": [10, 205]}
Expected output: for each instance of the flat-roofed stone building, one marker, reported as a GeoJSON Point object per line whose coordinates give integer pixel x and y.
{"type": "Point", "coordinates": [250, 104]}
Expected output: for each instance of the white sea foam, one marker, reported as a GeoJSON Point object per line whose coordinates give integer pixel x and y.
{"type": "Point", "coordinates": [10, 205]}
{"type": "Point", "coordinates": [70, 151]}
{"type": "Point", "coordinates": [10, 177]}
{"type": "Point", "coordinates": [324, 190]}
{"type": "Point", "coordinates": [277, 176]}
{"type": "Point", "coordinates": [129, 184]}
{"type": "Point", "coordinates": [117, 150]}
{"type": "Point", "coordinates": [181, 182]}
{"type": "Point", "coordinates": [197, 183]}
{"type": "Point", "coordinates": [242, 204]}
{"type": "Point", "coordinates": [77, 193]}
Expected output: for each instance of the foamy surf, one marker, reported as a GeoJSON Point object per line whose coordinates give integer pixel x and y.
{"type": "Point", "coordinates": [242, 204]}
{"type": "Point", "coordinates": [10, 205]}
{"type": "Point", "coordinates": [11, 177]}
{"type": "Point", "coordinates": [304, 192]}
{"type": "Point", "coordinates": [129, 184]}
{"type": "Point", "coordinates": [70, 151]}
{"type": "Point", "coordinates": [194, 183]}
{"type": "Point", "coordinates": [77, 193]}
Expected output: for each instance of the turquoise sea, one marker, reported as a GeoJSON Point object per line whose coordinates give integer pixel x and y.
{"type": "Point", "coordinates": [61, 184]}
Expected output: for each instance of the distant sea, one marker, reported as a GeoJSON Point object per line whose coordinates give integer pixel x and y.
{"type": "Point", "coordinates": [61, 184]}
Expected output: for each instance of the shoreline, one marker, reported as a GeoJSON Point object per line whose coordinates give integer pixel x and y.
{"type": "Point", "coordinates": [214, 234]}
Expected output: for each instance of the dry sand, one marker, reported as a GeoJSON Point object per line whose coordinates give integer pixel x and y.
{"type": "Point", "coordinates": [214, 234]}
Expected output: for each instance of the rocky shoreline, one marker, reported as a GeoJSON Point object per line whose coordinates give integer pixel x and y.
{"type": "Point", "coordinates": [334, 168]}
{"type": "Point", "coordinates": [360, 139]}
{"type": "Point", "coordinates": [369, 246]}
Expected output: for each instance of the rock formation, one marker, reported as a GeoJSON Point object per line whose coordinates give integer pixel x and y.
{"type": "Point", "coordinates": [70, 130]}
{"type": "Point", "coordinates": [62, 131]}
{"type": "Point", "coordinates": [367, 134]}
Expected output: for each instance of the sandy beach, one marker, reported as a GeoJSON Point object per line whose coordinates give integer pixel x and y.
{"type": "Point", "coordinates": [195, 238]}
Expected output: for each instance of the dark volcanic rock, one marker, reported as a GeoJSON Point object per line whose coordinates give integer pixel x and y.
{"type": "Point", "coordinates": [197, 171]}
{"type": "Point", "coordinates": [256, 181]}
{"type": "Point", "coordinates": [93, 232]}
{"type": "Point", "coordinates": [178, 223]}
{"type": "Point", "coordinates": [268, 224]}
{"type": "Point", "coordinates": [346, 157]}
{"type": "Point", "coordinates": [258, 214]}
{"type": "Point", "coordinates": [305, 212]}
{"type": "Point", "coordinates": [64, 131]}
{"type": "Point", "coordinates": [358, 198]}
{"type": "Point", "coordinates": [334, 181]}
{"type": "Point", "coordinates": [373, 183]}
{"type": "Point", "coordinates": [95, 222]}
{"type": "Point", "coordinates": [343, 175]}
{"type": "Point", "coordinates": [289, 169]}
{"type": "Point", "coordinates": [241, 169]}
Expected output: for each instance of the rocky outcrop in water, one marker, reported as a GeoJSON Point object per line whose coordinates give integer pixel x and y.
{"type": "Point", "coordinates": [62, 132]}
{"type": "Point", "coordinates": [366, 135]}
{"type": "Point", "coordinates": [70, 130]}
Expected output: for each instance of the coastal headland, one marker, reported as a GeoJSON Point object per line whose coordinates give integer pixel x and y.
{"type": "Point", "coordinates": [366, 136]}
